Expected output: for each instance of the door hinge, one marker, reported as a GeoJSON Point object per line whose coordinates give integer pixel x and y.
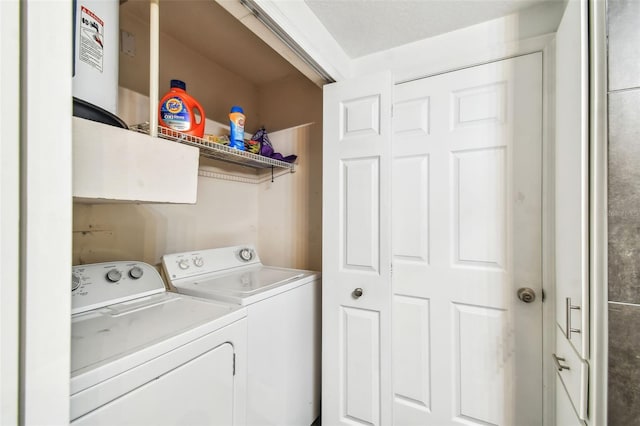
{"type": "Point", "coordinates": [234, 364]}
{"type": "Point", "coordinates": [391, 270]}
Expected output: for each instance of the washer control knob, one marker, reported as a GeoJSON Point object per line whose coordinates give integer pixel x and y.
{"type": "Point", "coordinates": [198, 261]}
{"type": "Point", "coordinates": [114, 275]}
{"type": "Point", "coordinates": [136, 272]}
{"type": "Point", "coordinates": [246, 254]}
{"type": "Point", "coordinates": [75, 282]}
{"type": "Point", "coordinates": [183, 264]}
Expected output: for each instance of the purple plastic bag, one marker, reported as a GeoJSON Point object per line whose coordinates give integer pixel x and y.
{"type": "Point", "coordinates": [266, 149]}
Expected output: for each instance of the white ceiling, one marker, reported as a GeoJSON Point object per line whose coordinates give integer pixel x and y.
{"type": "Point", "coordinates": [362, 27]}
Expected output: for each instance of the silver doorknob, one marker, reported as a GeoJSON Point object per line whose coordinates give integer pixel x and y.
{"type": "Point", "coordinates": [357, 293]}
{"type": "Point", "coordinates": [526, 294]}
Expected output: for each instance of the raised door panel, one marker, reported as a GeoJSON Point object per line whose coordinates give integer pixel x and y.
{"type": "Point", "coordinates": [479, 197]}
{"type": "Point", "coordinates": [411, 200]}
{"type": "Point", "coordinates": [360, 390]}
{"type": "Point", "coordinates": [360, 209]}
{"type": "Point", "coordinates": [479, 376]}
{"type": "Point", "coordinates": [411, 353]}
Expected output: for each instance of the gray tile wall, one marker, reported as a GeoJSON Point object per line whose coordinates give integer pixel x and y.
{"type": "Point", "coordinates": [623, 18]}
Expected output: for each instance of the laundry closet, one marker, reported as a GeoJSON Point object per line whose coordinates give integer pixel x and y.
{"type": "Point", "coordinates": [228, 226]}
{"type": "Point", "coordinates": [203, 203]}
{"type": "Point", "coordinates": [278, 210]}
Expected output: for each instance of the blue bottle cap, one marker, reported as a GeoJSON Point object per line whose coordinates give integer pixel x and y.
{"type": "Point", "coordinates": [236, 108]}
{"type": "Point", "coordinates": [179, 84]}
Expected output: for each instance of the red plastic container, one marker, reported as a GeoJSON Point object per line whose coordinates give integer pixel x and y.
{"type": "Point", "coordinates": [180, 111]}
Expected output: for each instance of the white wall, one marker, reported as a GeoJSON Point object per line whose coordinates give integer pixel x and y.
{"type": "Point", "coordinates": [226, 214]}
{"type": "Point", "coordinates": [281, 218]}
{"type": "Point", "coordinates": [290, 234]}
{"type": "Point", "coordinates": [526, 31]}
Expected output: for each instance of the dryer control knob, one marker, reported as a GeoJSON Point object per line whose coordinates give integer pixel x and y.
{"type": "Point", "coordinates": [198, 261]}
{"type": "Point", "coordinates": [75, 282]}
{"type": "Point", "coordinates": [246, 254]}
{"type": "Point", "coordinates": [136, 272]}
{"type": "Point", "coordinates": [114, 275]}
{"type": "Point", "coordinates": [183, 264]}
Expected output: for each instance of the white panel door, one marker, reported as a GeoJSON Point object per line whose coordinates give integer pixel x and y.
{"type": "Point", "coordinates": [356, 309]}
{"type": "Point", "coordinates": [466, 228]}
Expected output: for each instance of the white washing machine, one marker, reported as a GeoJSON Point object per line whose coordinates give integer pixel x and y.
{"type": "Point", "coordinates": [283, 314]}
{"type": "Point", "coordinates": [143, 356]}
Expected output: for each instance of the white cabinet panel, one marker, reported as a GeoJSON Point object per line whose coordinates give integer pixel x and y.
{"type": "Point", "coordinates": [565, 413]}
{"type": "Point", "coordinates": [573, 372]}
{"type": "Point", "coordinates": [572, 186]}
{"type": "Point", "coordinates": [572, 214]}
{"type": "Point", "coordinates": [114, 164]}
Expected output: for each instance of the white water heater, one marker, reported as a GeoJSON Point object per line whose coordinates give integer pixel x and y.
{"type": "Point", "coordinates": [95, 53]}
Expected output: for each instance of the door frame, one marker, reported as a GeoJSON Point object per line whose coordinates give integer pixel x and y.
{"type": "Point", "coordinates": [598, 212]}
{"type": "Point", "coordinates": [45, 211]}
{"type": "Point", "coordinates": [9, 210]}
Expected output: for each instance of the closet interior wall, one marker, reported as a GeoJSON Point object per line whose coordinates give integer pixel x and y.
{"type": "Point", "coordinates": [281, 218]}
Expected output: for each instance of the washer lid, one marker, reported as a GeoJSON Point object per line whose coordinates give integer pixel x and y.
{"type": "Point", "coordinates": [112, 339]}
{"type": "Point", "coordinates": [250, 281]}
{"type": "Point", "coordinates": [243, 286]}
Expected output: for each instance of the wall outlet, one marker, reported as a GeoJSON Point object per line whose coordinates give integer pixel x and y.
{"type": "Point", "coordinates": [127, 43]}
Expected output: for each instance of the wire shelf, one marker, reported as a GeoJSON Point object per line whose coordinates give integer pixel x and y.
{"type": "Point", "coordinates": [217, 151]}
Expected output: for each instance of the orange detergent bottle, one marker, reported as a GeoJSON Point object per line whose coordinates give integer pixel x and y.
{"type": "Point", "coordinates": [179, 111]}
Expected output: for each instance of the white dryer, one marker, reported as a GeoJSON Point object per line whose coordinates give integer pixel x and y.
{"type": "Point", "coordinates": [143, 356]}
{"type": "Point", "coordinates": [284, 334]}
